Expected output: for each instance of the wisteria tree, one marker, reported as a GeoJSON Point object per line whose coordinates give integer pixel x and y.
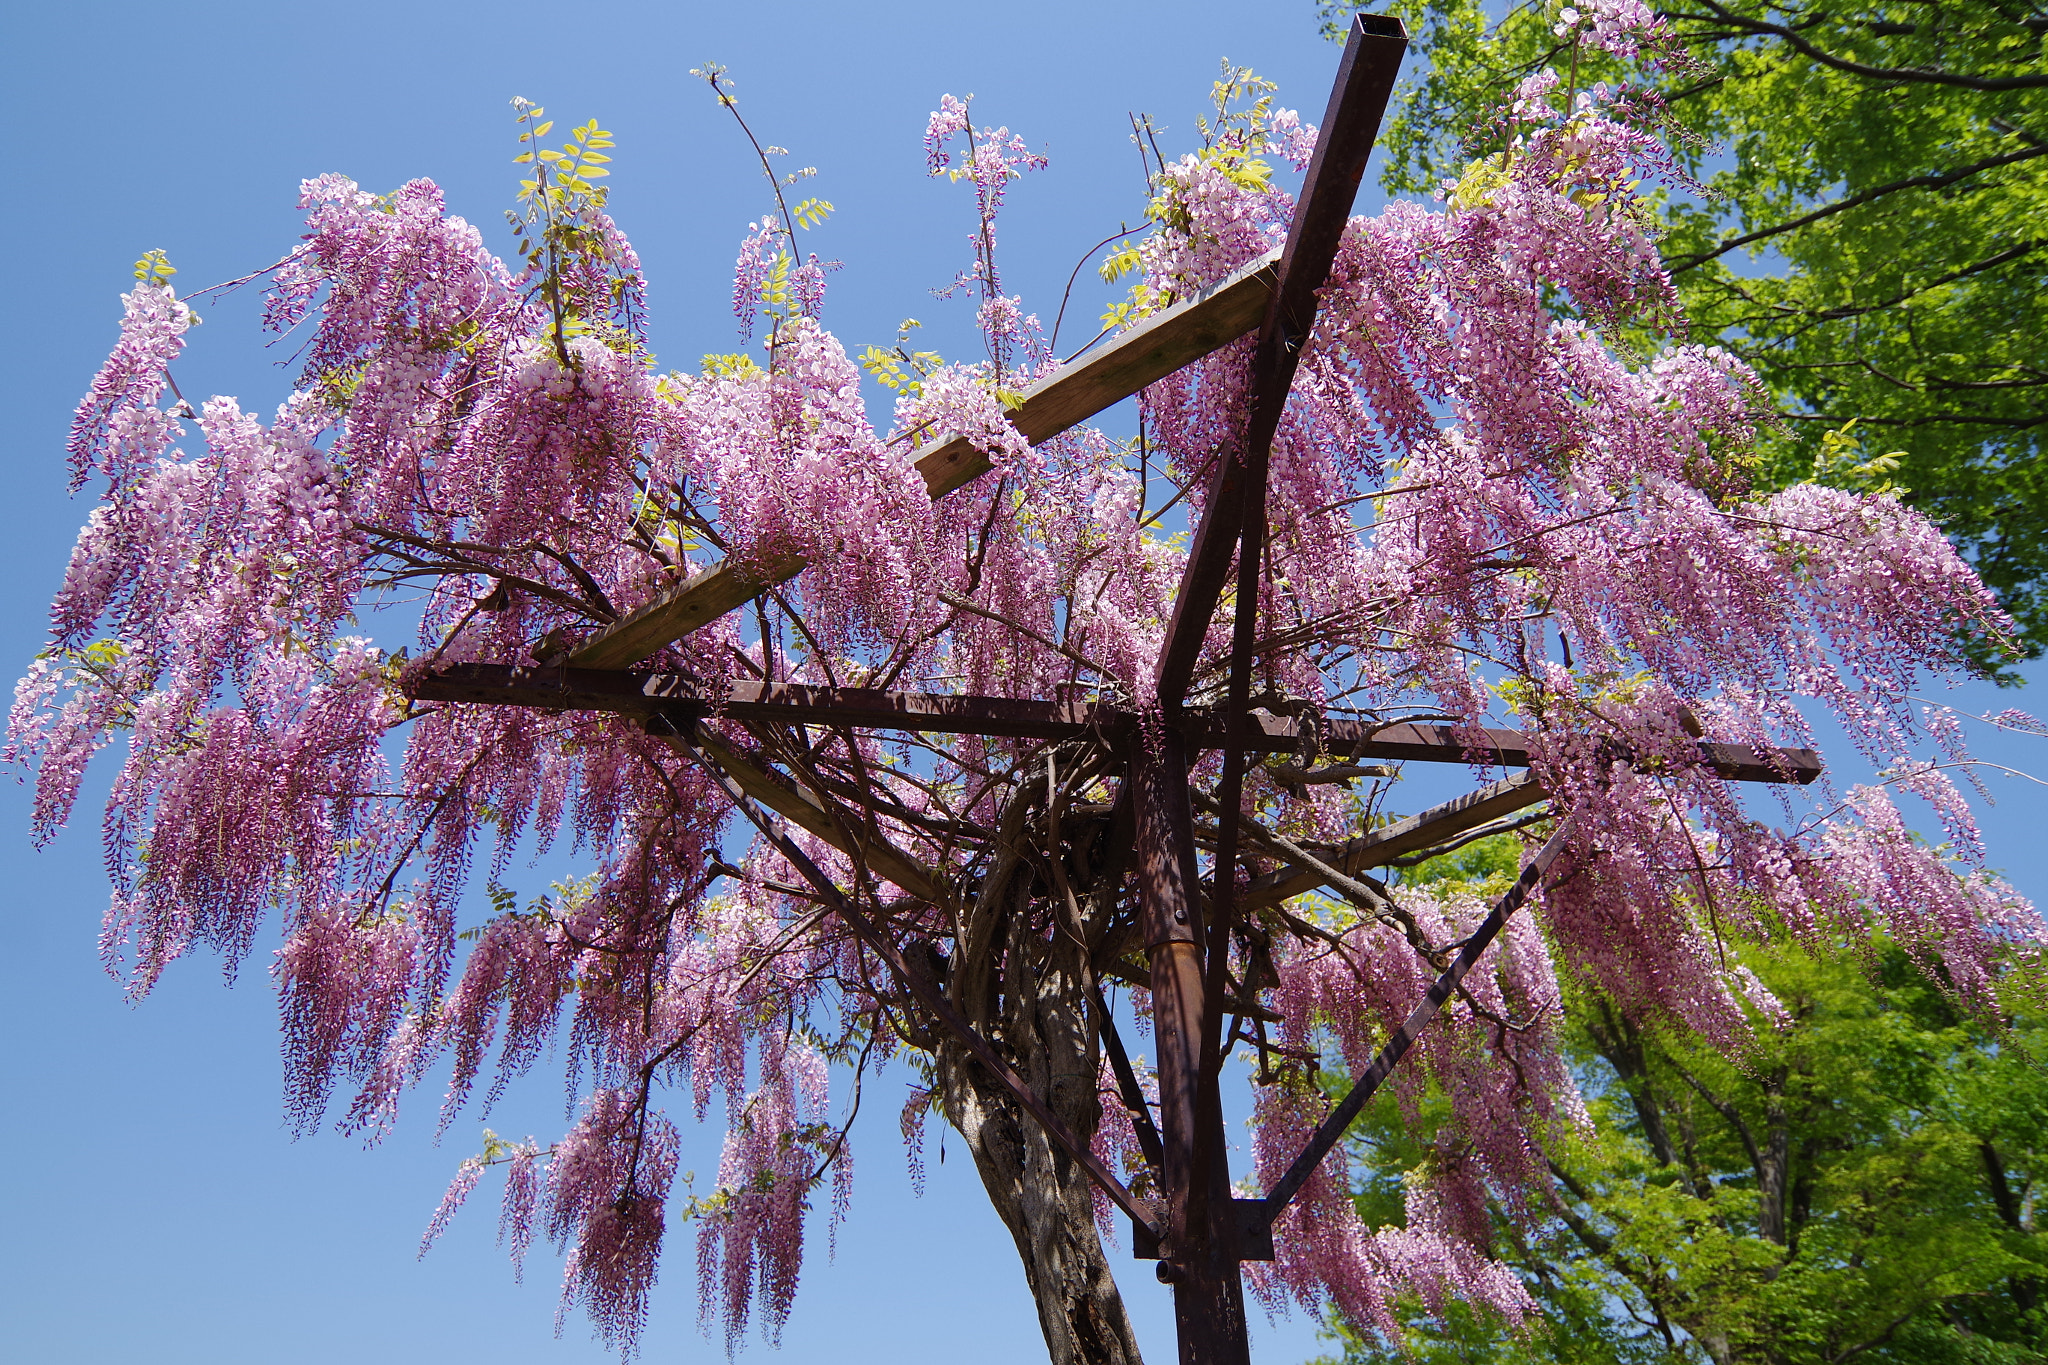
{"type": "Point", "coordinates": [1504, 488]}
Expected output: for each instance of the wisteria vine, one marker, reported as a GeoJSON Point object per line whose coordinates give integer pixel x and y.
{"type": "Point", "coordinates": [1506, 488]}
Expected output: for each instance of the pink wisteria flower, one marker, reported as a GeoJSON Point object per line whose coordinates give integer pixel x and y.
{"type": "Point", "coordinates": [1484, 508]}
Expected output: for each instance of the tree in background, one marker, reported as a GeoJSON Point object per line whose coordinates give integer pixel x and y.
{"type": "Point", "coordinates": [1500, 492]}
{"type": "Point", "coordinates": [1864, 1183]}
{"type": "Point", "coordinates": [1870, 238]}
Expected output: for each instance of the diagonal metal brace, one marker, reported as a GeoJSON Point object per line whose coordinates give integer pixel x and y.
{"type": "Point", "coordinates": [1382, 846]}
{"type": "Point", "coordinates": [1339, 1119]}
{"type": "Point", "coordinates": [1128, 1089]}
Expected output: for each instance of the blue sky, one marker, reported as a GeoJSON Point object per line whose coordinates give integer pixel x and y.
{"type": "Point", "coordinates": [154, 1202]}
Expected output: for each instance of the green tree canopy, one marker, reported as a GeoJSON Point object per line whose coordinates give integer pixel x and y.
{"type": "Point", "coordinates": [1871, 240]}
{"type": "Point", "coordinates": [1865, 1185]}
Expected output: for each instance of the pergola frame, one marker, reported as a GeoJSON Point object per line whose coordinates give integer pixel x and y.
{"type": "Point", "coordinates": [1197, 1229]}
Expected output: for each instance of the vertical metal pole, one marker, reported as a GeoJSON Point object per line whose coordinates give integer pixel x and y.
{"type": "Point", "coordinates": [1198, 1255]}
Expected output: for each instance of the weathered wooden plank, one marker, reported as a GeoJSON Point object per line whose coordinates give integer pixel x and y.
{"type": "Point", "coordinates": [805, 810]}
{"type": "Point", "coordinates": [697, 603]}
{"type": "Point", "coordinates": [1145, 354]}
{"type": "Point", "coordinates": [1399, 839]}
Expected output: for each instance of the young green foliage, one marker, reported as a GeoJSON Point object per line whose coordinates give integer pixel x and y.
{"type": "Point", "coordinates": [1870, 241]}
{"type": "Point", "coordinates": [155, 269]}
{"type": "Point", "coordinates": [560, 221]}
{"type": "Point", "coordinates": [1863, 1184]}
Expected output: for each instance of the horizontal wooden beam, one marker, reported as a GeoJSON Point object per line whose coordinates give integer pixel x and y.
{"type": "Point", "coordinates": [1147, 353]}
{"type": "Point", "coordinates": [1398, 840]}
{"type": "Point", "coordinates": [645, 694]}
{"type": "Point", "coordinates": [809, 812]}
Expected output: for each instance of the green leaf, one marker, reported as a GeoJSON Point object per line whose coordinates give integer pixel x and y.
{"type": "Point", "coordinates": [1122, 259]}
{"type": "Point", "coordinates": [154, 268]}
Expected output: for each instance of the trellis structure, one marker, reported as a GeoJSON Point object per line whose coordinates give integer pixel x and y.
{"type": "Point", "coordinates": [1196, 1229]}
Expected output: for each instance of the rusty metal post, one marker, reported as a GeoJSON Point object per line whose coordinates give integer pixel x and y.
{"type": "Point", "coordinates": [1198, 1255]}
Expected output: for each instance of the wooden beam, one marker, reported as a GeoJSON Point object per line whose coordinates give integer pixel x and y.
{"type": "Point", "coordinates": [1154, 349]}
{"type": "Point", "coordinates": [647, 694]}
{"type": "Point", "coordinates": [1147, 353]}
{"type": "Point", "coordinates": [1399, 839]}
{"type": "Point", "coordinates": [809, 812]}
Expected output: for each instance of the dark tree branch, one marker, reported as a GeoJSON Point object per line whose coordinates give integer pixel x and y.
{"type": "Point", "coordinates": [1904, 75]}
{"type": "Point", "coordinates": [1930, 181]}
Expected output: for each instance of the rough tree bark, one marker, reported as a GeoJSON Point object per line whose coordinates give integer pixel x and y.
{"type": "Point", "coordinates": [1025, 989]}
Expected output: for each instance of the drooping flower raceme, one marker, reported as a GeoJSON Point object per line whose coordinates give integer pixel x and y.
{"type": "Point", "coordinates": [1483, 507]}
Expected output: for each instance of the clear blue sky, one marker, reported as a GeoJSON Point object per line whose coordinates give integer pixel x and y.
{"type": "Point", "coordinates": [153, 1203]}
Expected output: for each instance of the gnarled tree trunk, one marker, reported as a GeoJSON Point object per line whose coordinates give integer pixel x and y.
{"type": "Point", "coordinates": [1025, 990]}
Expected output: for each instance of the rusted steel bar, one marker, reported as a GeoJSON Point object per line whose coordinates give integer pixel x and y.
{"type": "Point", "coordinates": [1148, 352]}
{"type": "Point", "coordinates": [1365, 81]}
{"type": "Point", "coordinates": [930, 712]}
{"type": "Point", "coordinates": [1331, 1129]}
{"type": "Point", "coordinates": [1399, 839]}
{"type": "Point", "coordinates": [1128, 1089]}
{"type": "Point", "coordinates": [1236, 511]}
{"type": "Point", "coordinates": [557, 688]}
{"type": "Point", "coordinates": [1199, 1260]}
{"type": "Point", "coordinates": [1171, 922]}
{"type": "Point", "coordinates": [646, 694]}
{"type": "Point", "coordinates": [924, 990]}
{"type": "Point", "coordinates": [1431, 743]}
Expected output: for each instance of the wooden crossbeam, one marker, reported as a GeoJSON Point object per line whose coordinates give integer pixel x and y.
{"type": "Point", "coordinates": [647, 694]}
{"type": "Point", "coordinates": [1417, 832]}
{"type": "Point", "coordinates": [1147, 353]}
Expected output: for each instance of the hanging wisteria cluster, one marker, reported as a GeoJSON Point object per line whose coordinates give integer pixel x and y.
{"type": "Point", "coordinates": [1505, 488]}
